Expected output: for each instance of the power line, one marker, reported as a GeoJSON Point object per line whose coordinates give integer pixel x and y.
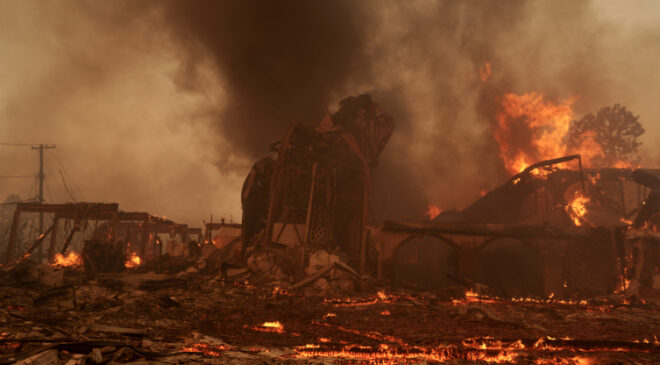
{"type": "Point", "coordinates": [66, 188]}
{"type": "Point", "coordinates": [14, 176]}
{"type": "Point", "coordinates": [15, 144]}
{"type": "Point", "coordinates": [50, 195]}
{"type": "Point", "coordinates": [20, 201]}
{"type": "Point", "coordinates": [71, 186]}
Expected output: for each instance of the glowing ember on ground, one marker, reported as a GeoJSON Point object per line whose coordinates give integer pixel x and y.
{"type": "Point", "coordinates": [133, 261]}
{"type": "Point", "coordinates": [270, 327]}
{"type": "Point", "coordinates": [205, 349]}
{"type": "Point", "coordinates": [471, 297]}
{"type": "Point", "coordinates": [433, 211]}
{"type": "Point", "coordinates": [272, 324]}
{"type": "Point", "coordinates": [70, 260]}
{"type": "Point", "coordinates": [383, 354]}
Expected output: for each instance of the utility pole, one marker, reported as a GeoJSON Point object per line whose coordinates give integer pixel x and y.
{"type": "Point", "coordinates": [41, 148]}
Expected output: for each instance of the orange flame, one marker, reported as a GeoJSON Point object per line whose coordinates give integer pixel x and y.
{"type": "Point", "coordinates": [544, 124]}
{"type": "Point", "coordinates": [577, 208]}
{"type": "Point", "coordinates": [72, 259]}
{"type": "Point", "coordinates": [531, 129]}
{"type": "Point", "coordinates": [133, 261]}
{"type": "Point", "coordinates": [433, 211]}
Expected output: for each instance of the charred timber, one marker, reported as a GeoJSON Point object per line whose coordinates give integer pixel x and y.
{"type": "Point", "coordinates": [484, 229]}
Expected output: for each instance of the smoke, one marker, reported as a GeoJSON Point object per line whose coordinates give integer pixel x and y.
{"type": "Point", "coordinates": [98, 80]}
{"type": "Point", "coordinates": [163, 106]}
{"type": "Point", "coordinates": [281, 60]}
{"type": "Point", "coordinates": [425, 58]}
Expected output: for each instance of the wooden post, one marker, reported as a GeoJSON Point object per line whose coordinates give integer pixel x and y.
{"type": "Point", "coordinates": [144, 236]}
{"type": "Point", "coordinates": [363, 238]}
{"type": "Point", "coordinates": [12, 235]}
{"type": "Point", "coordinates": [76, 227]}
{"type": "Point", "coordinates": [53, 239]}
{"type": "Point", "coordinates": [275, 184]}
{"type": "Point", "coordinates": [308, 221]}
{"type": "Point", "coordinates": [37, 243]}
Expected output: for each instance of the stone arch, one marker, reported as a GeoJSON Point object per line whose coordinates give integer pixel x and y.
{"type": "Point", "coordinates": [490, 240]}
{"type": "Point", "coordinates": [423, 262]}
{"type": "Point", "coordinates": [511, 267]}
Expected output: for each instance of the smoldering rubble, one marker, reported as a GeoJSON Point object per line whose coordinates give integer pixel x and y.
{"type": "Point", "coordinates": [557, 265]}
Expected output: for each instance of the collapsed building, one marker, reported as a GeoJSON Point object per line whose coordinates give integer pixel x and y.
{"type": "Point", "coordinates": [112, 236]}
{"type": "Point", "coordinates": [547, 231]}
{"type": "Point", "coordinates": [315, 196]}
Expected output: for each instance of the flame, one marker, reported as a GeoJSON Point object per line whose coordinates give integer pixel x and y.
{"type": "Point", "coordinates": [590, 149]}
{"type": "Point", "coordinates": [544, 123]}
{"type": "Point", "coordinates": [471, 297]}
{"type": "Point", "coordinates": [531, 129]}
{"type": "Point", "coordinates": [133, 261]}
{"type": "Point", "coordinates": [70, 260]}
{"type": "Point", "coordinates": [577, 208]}
{"type": "Point", "coordinates": [275, 324]}
{"type": "Point", "coordinates": [433, 211]}
{"type": "Point", "coordinates": [625, 165]}
{"type": "Point", "coordinates": [485, 71]}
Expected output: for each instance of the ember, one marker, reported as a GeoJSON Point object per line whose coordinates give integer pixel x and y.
{"type": "Point", "coordinates": [270, 327]}
{"type": "Point", "coordinates": [432, 211]}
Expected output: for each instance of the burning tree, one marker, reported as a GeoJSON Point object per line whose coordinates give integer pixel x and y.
{"type": "Point", "coordinates": [614, 131]}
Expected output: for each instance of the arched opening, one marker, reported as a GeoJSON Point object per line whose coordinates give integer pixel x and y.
{"type": "Point", "coordinates": [511, 268]}
{"type": "Point", "coordinates": [424, 263]}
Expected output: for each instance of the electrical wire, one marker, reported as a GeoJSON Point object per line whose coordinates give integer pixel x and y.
{"type": "Point", "coordinates": [66, 187]}
{"type": "Point", "coordinates": [73, 186]}
{"type": "Point", "coordinates": [14, 176]}
{"type": "Point", "coordinates": [48, 190]}
{"type": "Point", "coordinates": [15, 144]}
{"type": "Point", "coordinates": [19, 201]}
{"type": "Point", "coordinates": [32, 187]}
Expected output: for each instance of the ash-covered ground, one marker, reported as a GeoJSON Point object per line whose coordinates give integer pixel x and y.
{"type": "Point", "coordinates": [57, 316]}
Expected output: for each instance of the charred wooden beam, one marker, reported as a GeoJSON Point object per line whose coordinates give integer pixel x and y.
{"type": "Point", "coordinates": [38, 241]}
{"type": "Point", "coordinates": [67, 242]}
{"type": "Point", "coordinates": [484, 229]}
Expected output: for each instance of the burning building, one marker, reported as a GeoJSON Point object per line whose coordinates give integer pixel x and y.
{"type": "Point", "coordinates": [546, 231]}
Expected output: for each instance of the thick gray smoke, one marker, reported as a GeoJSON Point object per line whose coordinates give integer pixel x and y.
{"type": "Point", "coordinates": [163, 106]}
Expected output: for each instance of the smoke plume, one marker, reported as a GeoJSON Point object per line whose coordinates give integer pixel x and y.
{"type": "Point", "coordinates": [163, 106]}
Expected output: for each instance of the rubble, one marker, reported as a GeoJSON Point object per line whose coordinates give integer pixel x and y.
{"type": "Point", "coordinates": [161, 319]}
